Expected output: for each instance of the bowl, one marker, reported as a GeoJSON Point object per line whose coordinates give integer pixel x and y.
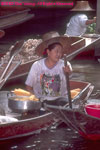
{"type": "Point", "coordinates": [22, 106]}
{"type": "Point", "coordinates": [93, 110]}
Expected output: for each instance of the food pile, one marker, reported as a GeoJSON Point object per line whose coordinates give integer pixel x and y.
{"type": "Point", "coordinates": [28, 96]}
{"type": "Point", "coordinates": [28, 50]}
{"type": "Point", "coordinates": [75, 92]}
{"type": "Point", "coordinates": [24, 95]}
{"type": "Point", "coordinates": [27, 53]}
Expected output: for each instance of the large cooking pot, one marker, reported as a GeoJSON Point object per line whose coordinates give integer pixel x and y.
{"type": "Point", "coordinates": [22, 106]}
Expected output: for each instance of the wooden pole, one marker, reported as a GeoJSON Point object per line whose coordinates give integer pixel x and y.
{"type": "Point", "coordinates": [68, 83]}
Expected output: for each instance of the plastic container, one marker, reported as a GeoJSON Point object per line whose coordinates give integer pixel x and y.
{"type": "Point", "coordinates": [93, 110]}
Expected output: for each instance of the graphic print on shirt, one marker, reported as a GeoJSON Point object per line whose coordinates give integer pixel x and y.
{"type": "Point", "coordinates": [50, 85]}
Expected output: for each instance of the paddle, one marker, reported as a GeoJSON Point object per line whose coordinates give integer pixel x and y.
{"type": "Point", "coordinates": [14, 51]}
{"type": "Point", "coordinates": [67, 83]}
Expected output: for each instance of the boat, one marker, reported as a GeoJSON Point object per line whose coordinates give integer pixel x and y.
{"type": "Point", "coordinates": [11, 18]}
{"type": "Point", "coordinates": [90, 52]}
{"type": "Point", "coordinates": [75, 45]}
{"type": "Point", "coordinates": [7, 68]}
{"type": "Point", "coordinates": [26, 125]}
{"type": "Point", "coordinates": [31, 123]}
{"type": "Point", "coordinates": [77, 118]}
{"type": "Point", "coordinates": [90, 41]}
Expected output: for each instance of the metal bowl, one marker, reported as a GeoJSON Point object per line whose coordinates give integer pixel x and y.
{"type": "Point", "coordinates": [23, 105]}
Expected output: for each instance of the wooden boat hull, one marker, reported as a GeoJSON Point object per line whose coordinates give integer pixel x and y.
{"type": "Point", "coordinates": [14, 18]}
{"type": "Point", "coordinates": [31, 125]}
{"type": "Point", "coordinates": [27, 124]}
{"type": "Point", "coordinates": [25, 127]}
{"type": "Point", "coordinates": [77, 46]}
{"type": "Point", "coordinates": [90, 43]}
{"type": "Point", "coordinates": [86, 125]}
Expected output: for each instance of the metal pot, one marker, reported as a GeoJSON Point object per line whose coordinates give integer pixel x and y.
{"type": "Point", "coordinates": [23, 106]}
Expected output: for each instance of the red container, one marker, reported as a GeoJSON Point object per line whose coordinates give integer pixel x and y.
{"type": "Point", "coordinates": [93, 110]}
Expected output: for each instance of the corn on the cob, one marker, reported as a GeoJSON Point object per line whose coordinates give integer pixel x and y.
{"type": "Point", "coordinates": [21, 92]}
{"type": "Point", "coordinates": [33, 98]}
{"type": "Point", "coordinates": [78, 89]}
{"type": "Point", "coordinates": [30, 98]}
{"type": "Point", "coordinates": [75, 92]}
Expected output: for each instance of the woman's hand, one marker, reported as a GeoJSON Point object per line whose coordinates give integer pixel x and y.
{"type": "Point", "coordinates": [67, 69]}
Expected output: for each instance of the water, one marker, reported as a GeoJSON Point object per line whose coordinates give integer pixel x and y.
{"type": "Point", "coordinates": [61, 137]}
{"type": "Point", "coordinates": [87, 70]}
{"type": "Point", "coordinates": [58, 137]}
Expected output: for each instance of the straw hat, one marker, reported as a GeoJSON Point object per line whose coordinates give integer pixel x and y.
{"type": "Point", "coordinates": [2, 33]}
{"type": "Point", "coordinates": [50, 38]}
{"type": "Point", "coordinates": [82, 6]}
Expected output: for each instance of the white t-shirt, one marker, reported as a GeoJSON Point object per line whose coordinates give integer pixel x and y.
{"type": "Point", "coordinates": [77, 25]}
{"type": "Point", "coordinates": [47, 82]}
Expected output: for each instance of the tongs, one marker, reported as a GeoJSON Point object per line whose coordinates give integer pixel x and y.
{"type": "Point", "coordinates": [14, 51]}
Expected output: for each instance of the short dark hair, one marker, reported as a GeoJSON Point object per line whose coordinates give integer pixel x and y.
{"type": "Point", "coordinates": [50, 47]}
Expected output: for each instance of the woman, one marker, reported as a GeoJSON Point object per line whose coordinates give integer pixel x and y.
{"type": "Point", "coordinates": [79, 20]}
{"type": "Point", "coordinates": [46, 77]}
{"type": "Point", "coordinates": [78, 24]}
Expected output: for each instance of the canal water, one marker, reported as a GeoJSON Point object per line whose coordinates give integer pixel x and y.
{"type": "Point", "coordinates": [58, 137]}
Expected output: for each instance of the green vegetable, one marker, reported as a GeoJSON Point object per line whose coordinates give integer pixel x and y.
{"type": "Point", "coordinates": [91, 28]}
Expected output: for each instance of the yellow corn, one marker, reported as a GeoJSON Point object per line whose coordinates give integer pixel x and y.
{"type": "Point", "coordinates": [33, 97]}
{"type": "Point", "coordinates": [78, 89]}
{"type": "Point", "coordinates": [75, 92]}
{"type": "Point", "coordinates": [21, 92]}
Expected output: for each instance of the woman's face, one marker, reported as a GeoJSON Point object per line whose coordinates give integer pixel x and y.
{"type": "Point", "coordinates": [55, 54]}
